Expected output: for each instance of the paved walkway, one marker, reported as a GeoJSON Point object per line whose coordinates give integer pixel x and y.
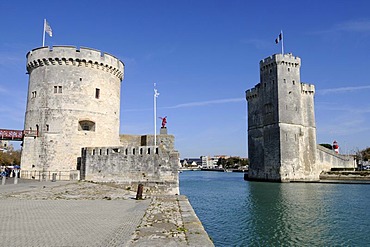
{"type": "Point", "coordinates": [66, 213]}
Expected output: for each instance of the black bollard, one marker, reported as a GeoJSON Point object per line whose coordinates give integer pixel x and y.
{"type": "Point", "coordinates": [139, 194]}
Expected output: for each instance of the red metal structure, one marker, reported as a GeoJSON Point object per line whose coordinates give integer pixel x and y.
{"type": "Point", "coordinates": [16, 135]}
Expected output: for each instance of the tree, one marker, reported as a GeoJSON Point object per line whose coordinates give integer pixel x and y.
{"type": "Point", "coordinates": [363, 154]}
{"type": "Point", "coordinates": [232, 162]}
{"type": "Point", "coordinates": [10, 158]}
{"type": "Point", "coordinates": [326, 145]}
{"type": "Point", "coordinates": [366, 154]}
{"type": "Point", "coordinates": [221, 162]}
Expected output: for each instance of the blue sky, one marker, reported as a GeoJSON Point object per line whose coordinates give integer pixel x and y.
{"type": "Point", "coordinates": [202, 55]}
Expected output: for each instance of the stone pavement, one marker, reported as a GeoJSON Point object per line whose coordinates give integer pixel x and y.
{"type": "Point", "coordinates": [66, 213]}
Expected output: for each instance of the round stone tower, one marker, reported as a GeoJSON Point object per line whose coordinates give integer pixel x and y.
{"type": "Point", "coordinates": [73, 102]}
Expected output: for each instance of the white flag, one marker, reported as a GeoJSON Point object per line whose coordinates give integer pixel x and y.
{"type": "Point", "coordinates": [156, 94]}
{"type": "Point", "coordinates": [48, 29]}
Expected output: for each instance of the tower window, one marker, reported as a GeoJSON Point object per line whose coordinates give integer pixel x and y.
{"type": "Point", "coordinates": [288, 69]}
{"type": "Point", "coordinates": [293, 82]}
{"type": "Point", "coordinates": [97, 93]}
{"type": "Point", "coordinates": [86, 125]}
{"type": "Point", "coordinates": [34, 94]}
{"type": "Point", "coordinates": [47, 127]}
{"type": "Point", "coordinates": [57, 89]}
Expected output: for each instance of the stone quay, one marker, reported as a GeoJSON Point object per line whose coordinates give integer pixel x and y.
{"type": "Point", "coordinates": [71, 213]}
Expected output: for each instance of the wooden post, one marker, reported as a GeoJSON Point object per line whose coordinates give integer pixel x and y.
{"type": "Point", "coordinates": [139, 194]}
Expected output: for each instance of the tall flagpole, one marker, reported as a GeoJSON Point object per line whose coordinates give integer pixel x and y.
{"type": "Point", "coordinates": [282, 42]}
{"type": "Point", "coordinates": [155, 114]}
{"type": "Point", "coordinates": [43, 34]}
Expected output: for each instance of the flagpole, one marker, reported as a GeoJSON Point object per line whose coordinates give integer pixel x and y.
{"type": "Point", "coordinates": [282, 42]}
{"type": "Point", "coordinates": [155, 115]}
{"type": "Point", "coordinates": [43, 34]}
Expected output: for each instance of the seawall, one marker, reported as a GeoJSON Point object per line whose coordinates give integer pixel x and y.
{"type": "Point", "coordinates": [342, 176]}
{"type": "Point", "coordinates": [170, 221]}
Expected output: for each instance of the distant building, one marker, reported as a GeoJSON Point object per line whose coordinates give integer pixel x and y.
{"type": "Point", "coordinates": [209, 162]}
{"type": "Point", "coordinates": [191, 162]}
{"type": "Point", "coordinates": [5, 146]}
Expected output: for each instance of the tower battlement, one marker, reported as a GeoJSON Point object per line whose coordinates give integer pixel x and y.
{"type": "Point", "coordinates": [277, 59]}
{"type": "Point", "coordinates": [252, 93]}
{"type": "Point", "coordinates": [70, 55]}
{"type": "Point", "coordinates": [307, 88]}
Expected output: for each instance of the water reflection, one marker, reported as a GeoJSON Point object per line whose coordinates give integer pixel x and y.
{"type": "Point", "coordinates": [285, 214]}
{"type": "Point", "coordinates": [240, 213]}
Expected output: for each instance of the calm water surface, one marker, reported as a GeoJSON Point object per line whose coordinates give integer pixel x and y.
{"type": "Point", "coordinates": [235, 212]}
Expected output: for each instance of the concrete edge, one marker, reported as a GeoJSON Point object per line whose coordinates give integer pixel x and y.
{"type": "Point", "coordinates": [195, 232]}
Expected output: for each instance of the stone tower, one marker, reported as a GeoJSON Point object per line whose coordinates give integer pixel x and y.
{"type": "Point", "coordinates": [281, 123]}
{"type": "Point", "coordinates": [73, 102]}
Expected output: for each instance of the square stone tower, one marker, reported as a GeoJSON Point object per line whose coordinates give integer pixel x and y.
{"type": "Point", "coordinates": [281, 123]}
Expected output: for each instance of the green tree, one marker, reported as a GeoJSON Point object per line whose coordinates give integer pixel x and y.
{"type": "Point", "coordinates": [221, 162]}
{"type": "Point", "coordinates": [326, 145]}
{"type": "Point", "coordinates": [365, 154]}
{"type": "Point", "coordinates": [10, 158]}
{"type": "Point", "coordinates": [232, 162]}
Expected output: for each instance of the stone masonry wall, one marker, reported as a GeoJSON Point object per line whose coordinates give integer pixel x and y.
{"type": "Point", "coordinates": [328, 159]}
{"type": "Point", "coordinates": [156, 167]}
{"type": "Point", "coordinates": [281, 126]}
{"type": "Point", "coordinates": [73, 102]}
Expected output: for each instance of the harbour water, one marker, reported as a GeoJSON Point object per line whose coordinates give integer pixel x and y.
{"type": "Point", "coordinates": [235, 212]}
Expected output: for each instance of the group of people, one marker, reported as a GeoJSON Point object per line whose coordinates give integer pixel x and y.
{"type": "Point", "coordinates": [7, 172]}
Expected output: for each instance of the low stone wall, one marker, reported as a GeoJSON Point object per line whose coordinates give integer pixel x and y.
{"type": "Point", "coordinates": [346, 175]}
{"type": "Point", "coordinates": [155, 167]}
{"type": "Point", "coordinates": [327, 159]}
{"type": "Point", "coordinates": [48, 175]}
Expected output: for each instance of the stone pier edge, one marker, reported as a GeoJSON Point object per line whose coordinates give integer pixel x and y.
{"type": "Point", "coordinates": [196, 234]}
